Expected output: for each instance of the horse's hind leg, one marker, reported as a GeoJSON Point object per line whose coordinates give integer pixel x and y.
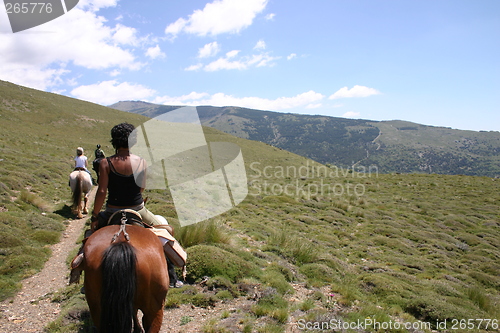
{"type": "Point", "coordinates": [86, 198]}
{"type": "Point", "coordinates": [137, 326]}
{"type": "Point", "coordinates": [79, 210]}
{"type": "Point", "coordinates": [94, 301]}
{"type": "Point", "coordinates": [152, 321]}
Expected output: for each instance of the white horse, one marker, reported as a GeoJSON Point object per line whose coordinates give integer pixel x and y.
{"type": "Point", "coordinates": [81, 184]}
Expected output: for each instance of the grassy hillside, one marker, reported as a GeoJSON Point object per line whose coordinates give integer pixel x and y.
{"type": "Point", "coordinates": [394, 146]}
{"type": "Point", "coordinates": [405, 248]}
{"type": "Point", "coordinates": [38, 139]}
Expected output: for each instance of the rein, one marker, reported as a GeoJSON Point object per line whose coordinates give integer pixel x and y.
{"type": "Point", "coordinates": [122, 228]}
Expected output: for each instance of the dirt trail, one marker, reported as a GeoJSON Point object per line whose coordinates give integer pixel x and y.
{"type": "Point", "coordinates": [31, 309]}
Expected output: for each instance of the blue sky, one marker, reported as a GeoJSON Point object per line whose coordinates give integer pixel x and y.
{"type": "Point", "coordinates": [430, 62]}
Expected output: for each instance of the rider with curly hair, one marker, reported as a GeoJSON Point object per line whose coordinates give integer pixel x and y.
{"type": "Point", "coordinates": [117, 181]}
{"type": "Point", "coordinates": [122, 188]}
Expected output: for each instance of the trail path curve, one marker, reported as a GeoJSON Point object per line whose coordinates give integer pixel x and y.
{"type": "Point", "coordinates": [31, 309]}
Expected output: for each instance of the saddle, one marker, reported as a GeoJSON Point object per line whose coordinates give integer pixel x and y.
{"type": "Point", "coordinates": [122, 217]}
{"type": "Point", "coordinates": [125, 216]}
{"type": "Point", "coordinates": [173, 250]}
{"type": "Point", "coordinates": [129, 216]}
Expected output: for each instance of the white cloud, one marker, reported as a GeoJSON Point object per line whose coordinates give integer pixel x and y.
{"type": "Point", "coordinates": [194, 67]}
{"type": "Point", "coordinates": [39, 57]}
{"type": "Point", "coordinates": [155, 52]}
{"type": "Point", "coordinates": [270, 16]}
{"type": "Point", "coordinates": [261, 45]}
{"type": "Point", "coordinates": [175, 28]}
{"type": "Point", "coordinates": [221, 99]}
{"type": "Point", "coordinates": [314, 106]}
{"type": "Point", "coordinates": [262, 60]}
{"type": "Point", "coordinates": [181, 100]}
{"type": "Point", "coordinates": [231, 61]}
{"type": "Point", "coordinates": [356, 91]}
{"type": "Point", "coordinates": [125, 35]}
{"type": "Point", "coordinates": [32, 76]}
{"type": "Point", "coordinates": [291, 56]}
{"type": "Point", "coordinates": [232, 54]}
{"type": "Point", "coordinates": [225, 63]}
{"type": "Point", "coordinates": [109, 92]}
{"type": "Point", "coordinates": [351, 114]}
{"type": "Point", "coordinates": [209, 50]}
{"type": "Point", "coordinates": [218, 17]}
{"type": "Point", "coordinates": [95, 5]}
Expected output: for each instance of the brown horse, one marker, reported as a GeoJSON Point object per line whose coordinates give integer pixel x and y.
{"type": "Point", "coordinates": [81, 184]}
{"type": "Point", "coordinates": [125, 271]}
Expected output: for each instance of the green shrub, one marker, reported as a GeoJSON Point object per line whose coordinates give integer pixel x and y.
{"type": "Point", "coordinates": [290, 246]}
{"type": "Point", "coordinates": [9, 240]}
{"type": "Point", "coordinates": [432, 308]}
{"type": "Point", "coordinates": [223, 284]}
{"type": "Point", "coordinates": [188, 294]}
{"type": "Point", "coordinates": [207, 260]}
{"type": "Point", "coordinates": [185, 320]}
{"type": "Point", "coordinates": [224, 295]}
{"type": "Point", "coordinates": [203, 300]}
{"type": "Point", "coordinates": [35, 200]}
{"type": "Point", "coordinates": [318, 274]}
{"type": "Point", "coordinates": [8, 286]}
{"type": "Point", "coordinates": [486, 279]}
{"type": "Point", "coordinates": [283, 270]}
{"type": "Point", "coordinates": [273, 305]}
{"type": "Point", "coordinates": [271, 328]}
{"type": "Point", "coordinates": [306, 305]}
{"type": "Point", "coordinates": [274, 278]}
{"type": "Point", "coordinates": [74, 315]}
{"type": "Point", "coordinates": [46, 236]}
{"type": "Point", "coordinates": [17, 264]}
{"type": "Point", "coordinates": [208, 232]}
{"type": "Point", "coordinates": [478, 297]}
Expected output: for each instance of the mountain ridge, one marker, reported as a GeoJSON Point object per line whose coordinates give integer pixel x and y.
{"type": "Point", "coordinates": [393, 146]}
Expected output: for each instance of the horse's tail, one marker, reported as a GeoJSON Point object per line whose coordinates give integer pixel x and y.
{"type": "Point", "coordinates": [118, 288]}
{"type": "Point", "coordinates": [77, 193]}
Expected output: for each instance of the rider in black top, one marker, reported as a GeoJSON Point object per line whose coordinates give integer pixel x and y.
{"type": "Point", "coordinates": [99, 155]}
{"type": "Point", "coordinates": [122, 188]}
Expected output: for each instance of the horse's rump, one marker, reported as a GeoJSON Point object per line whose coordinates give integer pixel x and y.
{"type": "Point", "coordinates": [109, 271]}
{"type": "Point", "coordinates": [81, 177]}
{"type": "Point", "coordinates": [81, 184]}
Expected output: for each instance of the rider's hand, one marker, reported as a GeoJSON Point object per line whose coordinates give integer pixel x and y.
{"type": "Point", "coordinates": [93, 222]}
